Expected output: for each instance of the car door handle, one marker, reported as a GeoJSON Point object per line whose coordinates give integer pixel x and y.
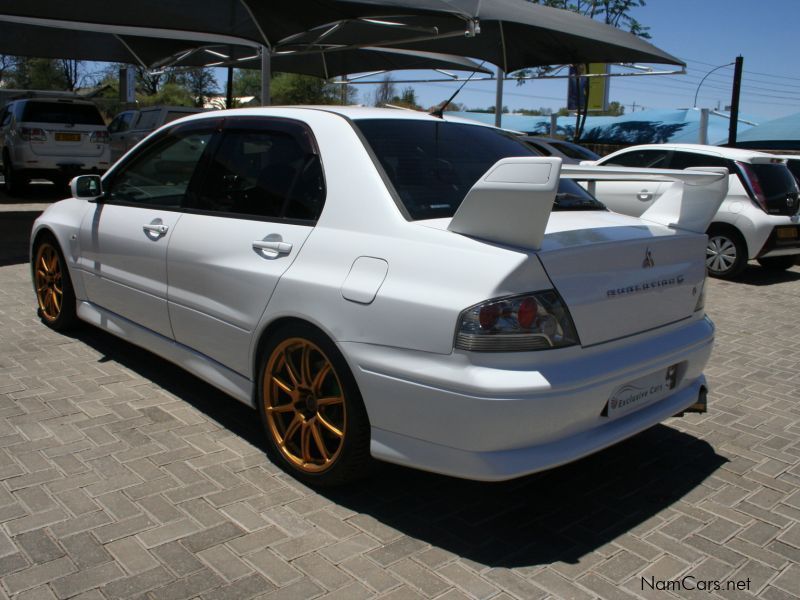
{"type": "Point", "coordinates": [273, 246]}
{"type": "Point", "coordinates": [645, 195]}
{"type": "Point", "coordinates": [155, 228]}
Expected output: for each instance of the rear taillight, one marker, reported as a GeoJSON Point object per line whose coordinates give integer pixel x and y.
{"type": "Point", "coordinates": [99, 137]}
{"type": "Point", "coordinates": [533, 321]}
{"type": "Point", "coordinates": [32, 134]}
{"type": "Point", "coordinates": [752, 184]}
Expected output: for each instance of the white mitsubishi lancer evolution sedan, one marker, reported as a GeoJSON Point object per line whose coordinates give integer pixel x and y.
{"type": "Point", "coordinates": [385, 284]}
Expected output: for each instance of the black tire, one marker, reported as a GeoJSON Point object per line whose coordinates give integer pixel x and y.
{"type": "Point", "coordinates": [301, 432]}
{"type": "Point", "coordinates": [726, 253]}
{"type": "Point", "coordinates": [16, 185]}
{"type": "Point", "coordinates": [778, 263]}
{"type": "Point", "coordinates": [55, 295]}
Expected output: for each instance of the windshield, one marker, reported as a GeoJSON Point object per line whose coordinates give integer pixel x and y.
{"type": "Point", "coordinates": [433, 164]}
{"type": "Point", "coordinates": [62, 113]}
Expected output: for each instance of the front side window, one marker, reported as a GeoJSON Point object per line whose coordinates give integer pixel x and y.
{"type": "Point", "coordinates": [432, 165]}
{"type": "Point", "coordinates": [645, 159]}
{"type": "Point", "coordinates": [160, 174]}
{"type": "Point", "coordinates": [264, 173]}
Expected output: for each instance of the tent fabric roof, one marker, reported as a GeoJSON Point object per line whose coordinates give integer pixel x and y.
{"type": "Point", "coordinates": [644, 127]}
{"type": "Point", "coordinates": [780, 134]}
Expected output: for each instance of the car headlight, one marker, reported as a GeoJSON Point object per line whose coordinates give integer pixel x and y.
{"type": "Point", "coordinates": [532, 321]}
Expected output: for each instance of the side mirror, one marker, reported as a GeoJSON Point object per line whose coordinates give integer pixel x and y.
{"type": "Point", "coordinates": [86, 186]}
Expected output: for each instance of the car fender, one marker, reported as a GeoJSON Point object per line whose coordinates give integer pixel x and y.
{"type": "Point", "coordinates": [63, 220]}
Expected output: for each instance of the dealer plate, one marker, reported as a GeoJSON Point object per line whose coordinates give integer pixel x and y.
{"type": "Point", "coordinates": [67, 137]}
{"type": "Point", "coordinates": [640, 392]}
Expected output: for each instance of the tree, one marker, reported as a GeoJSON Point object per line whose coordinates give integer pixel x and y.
{"type": "Point", "coordinates": [200, 82]}
{"type": "Point", "coordinates": [291, 88]}
{"type": "Point", "coordinates": [385, 91]}
{"type": "Point", "coordinates": [71, 72]}
{"type": "Point", "coordinates": [6, 66]}
{"type": "Point", "coordinates": [407, 99]}
{"type": "Point", "coordinates": [36, 74]}
{"type": "Point", "coordinates": [615, 109]}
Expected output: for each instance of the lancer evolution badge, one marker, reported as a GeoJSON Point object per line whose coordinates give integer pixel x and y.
{"type": "Point", "coordinates": [648, 260]}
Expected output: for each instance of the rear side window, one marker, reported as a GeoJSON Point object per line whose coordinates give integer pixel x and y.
{"type": "Point", "coordinates": [61, 113]}
{"type": "Point", "coordinates": [264, 173]}
{"type": "Point", "coordinates": [686, 160]}
{"type": "Point", "coordinates": [649, 159]}
{"type": "Point", "coordinates": [794, 167]}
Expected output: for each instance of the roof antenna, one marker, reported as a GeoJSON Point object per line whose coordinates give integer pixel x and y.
{"type": "Point", "coordinates": [439, 112]}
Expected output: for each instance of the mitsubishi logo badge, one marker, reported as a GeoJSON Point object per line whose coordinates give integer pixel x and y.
{"type": "Point", "coordinates": [648, 260]}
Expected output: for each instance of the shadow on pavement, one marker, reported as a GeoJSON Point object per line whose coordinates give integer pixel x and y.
{"type": "Point", "coordinates": [757, 275]}
{"type": "Point", "coordinates": [557, 515]}
{"type": "Point", "coordinates": [15, 232]}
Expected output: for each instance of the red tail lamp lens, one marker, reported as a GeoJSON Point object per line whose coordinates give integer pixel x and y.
{"type": "Point", "coordinates": [488, 316]}
{"type": "Point", "coordinates": [526, 313]}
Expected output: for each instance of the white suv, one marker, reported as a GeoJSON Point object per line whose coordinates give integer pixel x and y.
{"type": "Point", "coordinates": [51, 138]}
{"type": "Point", "coordinates": [758, 220]}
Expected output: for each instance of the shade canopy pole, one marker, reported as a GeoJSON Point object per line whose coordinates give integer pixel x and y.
{"type": "Point", "coordinates": [266, 76]}
{"type": "Point", "coordinates": [498, 98]}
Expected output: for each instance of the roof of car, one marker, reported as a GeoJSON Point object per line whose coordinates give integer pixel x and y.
{"type": "Point", "coordinates": [733, 153]}
{"type": "Point", "coordinates": [349, 112]}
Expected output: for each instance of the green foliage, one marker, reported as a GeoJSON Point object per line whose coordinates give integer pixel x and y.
{"type": "Point", "coordinates": [36, 74]}
{"type": "Point", "coordinates": [169, 94]}
{"type": "Point", "coordinates": [407, 98]}
{"type": "Point", "coordinates": [291, 88]}
{"type": "Point", "coordinates": [611, 12]}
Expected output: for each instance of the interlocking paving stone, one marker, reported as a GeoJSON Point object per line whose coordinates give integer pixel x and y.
{"type": "Point", "coordinates": [123, 477]}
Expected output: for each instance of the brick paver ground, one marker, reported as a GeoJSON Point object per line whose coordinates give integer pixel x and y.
{"type": "Point", "coordinates": [123, 477]}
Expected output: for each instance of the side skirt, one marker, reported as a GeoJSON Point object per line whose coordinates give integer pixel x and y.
{"type": "Point", "coordinates": [197, 364]}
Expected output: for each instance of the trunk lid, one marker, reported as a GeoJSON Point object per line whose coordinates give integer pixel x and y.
{"type": "Point", "coordinates": [619, 276]}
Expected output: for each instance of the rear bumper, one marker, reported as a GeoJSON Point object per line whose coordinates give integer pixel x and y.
{"type": "Point", "coordinates": [516, 414]}
{"type": "Point", "coordinates": [783, 240]}
{"type": "Point", "coordinates": [32, 165]}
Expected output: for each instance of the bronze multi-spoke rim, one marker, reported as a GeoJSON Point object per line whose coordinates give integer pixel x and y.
{"type": "Point", "coordinates": [48, 279]}
{"type": "Point", "coordinates": [305, 405]}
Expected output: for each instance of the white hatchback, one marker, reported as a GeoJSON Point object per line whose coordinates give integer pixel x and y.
{"type": "Point", "coordinates": [388, 284]}
{"type": "Point", "coordinates": [758, 219]}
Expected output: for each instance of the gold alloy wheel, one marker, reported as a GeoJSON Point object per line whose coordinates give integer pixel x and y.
{"type": "Point", "coordinates": [304, 404]}
{"type": "Point", "coordinates": [48, 280]}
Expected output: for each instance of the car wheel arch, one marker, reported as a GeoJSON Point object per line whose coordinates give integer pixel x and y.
{"type": "Point", "coordinates": [727, 228]}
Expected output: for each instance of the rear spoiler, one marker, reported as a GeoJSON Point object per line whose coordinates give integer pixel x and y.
{"type": "Point", "coordinates": [511, 203]}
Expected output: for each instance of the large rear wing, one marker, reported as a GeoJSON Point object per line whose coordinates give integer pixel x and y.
{"type": "Point", "coordinates": [511, 203]}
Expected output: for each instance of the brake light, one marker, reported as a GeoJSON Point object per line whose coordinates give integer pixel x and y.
{"type": "Point", "coordinates": [752, 184]}
{"type": "Point", "coordinates": [99, 137]}
{"type": "Point", "coordinates": [32, 134]}
{"type": "Point", "coordinates": [533, 321]}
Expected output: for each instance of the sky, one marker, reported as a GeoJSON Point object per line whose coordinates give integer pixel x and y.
{"type": "Point", "coordinates": [703, 33]}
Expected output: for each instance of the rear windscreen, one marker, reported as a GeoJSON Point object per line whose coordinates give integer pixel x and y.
{"type": "Point", "coordinates": [62, 113]}
{"type": "Point", "coordinates": [433, 164]}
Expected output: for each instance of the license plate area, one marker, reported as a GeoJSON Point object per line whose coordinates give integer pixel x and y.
{"type": "Point", "coordinates": [62, 136]}
{"type": "Point", "coordinates": [787, 233]}
{"type": "Point", "coordinates": [641, 392]}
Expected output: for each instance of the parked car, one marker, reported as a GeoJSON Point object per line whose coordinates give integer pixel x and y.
{"type": "Point", "coordinates": [387, 284]}
{"type": "Point", "coordinates": [130, 127]}
{"type": "Point", "coordinates": [569, 152]}
{"type": "Point", "coordinates": [793, 162]}
{"type": "Point", "coordinates": [51, 138]}
{"type": "Point", "coordinates": [758, 219]}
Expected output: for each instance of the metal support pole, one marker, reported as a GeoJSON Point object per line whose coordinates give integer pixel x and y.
{"type": "Point", "coordinates": [703, 134]}
{"type": "Point", "coordinates": [737, 87]}
{"type": "Point", "coordinates": [229, 89]}
{"type": "Point", "coordinates": [498, 98]}
{"type": "Point", "coordinates": [266, 76]}
{"type": "Point", "coordinates": [553, 124]}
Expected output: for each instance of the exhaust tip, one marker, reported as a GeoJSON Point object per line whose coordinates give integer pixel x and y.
{"type": "Point", "coordinates": [701, 405]}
